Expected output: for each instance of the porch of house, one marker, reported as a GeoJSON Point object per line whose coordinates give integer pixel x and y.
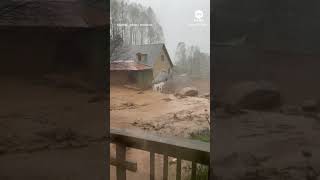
{"type": "Point", "coordinates": [193, 151]}
{"type": "Point", "coordinates": [141, 79]}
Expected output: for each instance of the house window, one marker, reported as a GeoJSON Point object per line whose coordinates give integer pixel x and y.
{"type": "Point", "coordinates": [162, 57]}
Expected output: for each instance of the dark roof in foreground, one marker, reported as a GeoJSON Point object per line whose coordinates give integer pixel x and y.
{"type": "Point", "coordinates": [53, 13]}
{"type": "Point", "coordinates": [152, 50]}
{"type": "Point", "coordinates": [128, 65]}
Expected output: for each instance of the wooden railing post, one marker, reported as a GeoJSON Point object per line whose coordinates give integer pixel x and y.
{"type": "Point", "coordinates": [193, 170]}
{"type": "Point", "coordinates": [183, 149]}
{"type": "Point", "coordinates": [165, 166]}
{"type": "Point", "coordinates": [152, 166]}
{"type": "Point", "coordinates": [121, 157]}
{"type": "Point", "coordinates": [178, 172]}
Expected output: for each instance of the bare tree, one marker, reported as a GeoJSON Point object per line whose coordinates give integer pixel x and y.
{"type": "Point", "coordinates": [125, 29]}
{"type": "Point", "coordinates": [134, 14]}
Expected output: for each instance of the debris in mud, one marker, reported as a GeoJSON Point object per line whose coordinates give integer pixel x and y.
{"type": "Point", "coordinates": [187, 91]}
{"type": "Point", "coordinates": [167, 99]}
{"type": "Point", "coordinates": [182, 123]}
{"type": "Point", "coordinates": [207, 95]}
{"type": "Point", "coordinates": [132, 87]}
{"type": "Point", "coordinates": [126, 105]}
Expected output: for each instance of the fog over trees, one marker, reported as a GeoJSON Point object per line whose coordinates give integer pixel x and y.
{"type": "Point", "coordinates": [130, 25]}
{"type": "Point", "coordinates": [190, 60]}
{"type": "Point", "coordinates": [134, 24]}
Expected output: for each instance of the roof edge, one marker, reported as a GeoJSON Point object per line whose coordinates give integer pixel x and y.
{"type": "Point", "coordinates": [165, 50]}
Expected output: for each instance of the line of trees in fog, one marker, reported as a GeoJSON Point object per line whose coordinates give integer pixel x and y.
{"type": "Point", "coordinates": [190, 60]}
{"type": "Point", "coordinates": [134, 24]}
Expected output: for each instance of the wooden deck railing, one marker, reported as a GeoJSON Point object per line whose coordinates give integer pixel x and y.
{"type": "Point", "coordinates": [183, 149]}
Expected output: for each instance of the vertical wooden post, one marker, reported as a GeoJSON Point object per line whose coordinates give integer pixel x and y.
{"type": "Point", "coordinates": [193, 170]}
{"type": "Point", "coordinates": [165, 167]}
{"type": "Point", "coordinates": [121, 157]}
{"type": "Point", "coordinates": [152, 166]}
{"type": "Point", "coordinates": [178, 175]}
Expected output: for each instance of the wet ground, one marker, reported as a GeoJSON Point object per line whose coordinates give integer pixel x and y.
{"type": "Point", "coordinates": [43, 122]}
{"type": "Point", "coordinates": [44, 127]}
{"type": "Point", "coordinates": [266, 145]}
{"type": "Point", "coordinates": [163, 114]}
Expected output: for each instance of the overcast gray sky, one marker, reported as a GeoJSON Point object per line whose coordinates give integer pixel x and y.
{"type": "Point", "coordinates": [177, 18]}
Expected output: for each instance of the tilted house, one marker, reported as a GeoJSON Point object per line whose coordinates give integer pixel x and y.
{"type": "Point", "coordinates": [40, 36]}
{"type": "Point", "coordinates": [142, 65]}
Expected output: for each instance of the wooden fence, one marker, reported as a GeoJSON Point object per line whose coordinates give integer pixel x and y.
{"type": "Point", "coordinates": [183, 149]}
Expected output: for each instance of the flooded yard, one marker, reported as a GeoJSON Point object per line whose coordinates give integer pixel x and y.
{"type": "Point", "coordinates": [161, 113]}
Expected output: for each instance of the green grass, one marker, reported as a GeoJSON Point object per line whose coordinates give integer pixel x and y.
{"type": "Point", "coordinates": [202, 171]}
{"type": "Point", "coordinates": [203, 135]}
{"type": "Point", "coordinates": [204, 138]}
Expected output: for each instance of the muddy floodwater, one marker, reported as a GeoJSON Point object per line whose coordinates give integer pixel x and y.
{"type": "Point", "coordinates": [163, 114]}
{"type": "Point", "coordinates": [49, 132]}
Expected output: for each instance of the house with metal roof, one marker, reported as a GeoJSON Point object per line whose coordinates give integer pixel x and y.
{"type": "Point", "coordinates": [143, 65]}
{"type": "Point", "coordinates": [41, 36]}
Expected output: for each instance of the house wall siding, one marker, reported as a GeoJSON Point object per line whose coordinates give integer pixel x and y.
{"type": "Point", "coordinates": [160, 65]}
{"type": "Point", "coordinates": [145, 78]}
{"type": "Point", "coordinates": [142, 79]}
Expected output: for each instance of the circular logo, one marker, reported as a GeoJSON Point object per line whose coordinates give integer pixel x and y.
{"type": "Point", "coordinates": [198, 14]}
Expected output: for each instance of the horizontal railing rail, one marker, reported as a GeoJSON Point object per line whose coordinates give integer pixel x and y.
{"type": "Point", "coordinates": [183, 149]}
